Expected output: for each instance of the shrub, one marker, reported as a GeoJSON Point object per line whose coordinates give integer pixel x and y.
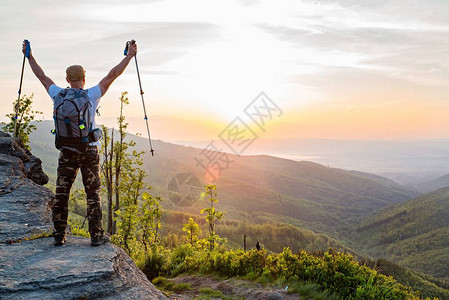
{"type": "Point", "coordinates": [322, 275]}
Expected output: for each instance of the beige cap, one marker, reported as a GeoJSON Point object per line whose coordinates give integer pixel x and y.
{"type": "Point", "coordinates": [75, 73]}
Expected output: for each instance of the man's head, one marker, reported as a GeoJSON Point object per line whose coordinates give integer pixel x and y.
{"type": "Point", "coordinates": [76, 76]}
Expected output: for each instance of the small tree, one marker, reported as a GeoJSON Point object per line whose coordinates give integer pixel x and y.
{"type": "Point", "coordinates": [119, 161]}
{"type": "Point", "coordinates": [149, 220]}
{"type": "Point", "coordinates": [134, 215]}
{"type": "Point", "coordinates": [213, 215]}
{"type": "Point", "coordinates": [120, 156]}
{"type": "Point", "coordinates": [128, 219]}
{"type": "Point", "coordinates": [192, 230]}
{"type": "Point", "coordinates": [25, 115]}
{"type": "Point", "coordinates": [107, 170]}
{"type": "Point", "coordinates": [130, 190]}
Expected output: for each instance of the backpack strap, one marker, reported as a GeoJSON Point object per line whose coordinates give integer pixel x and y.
{"type": "Point", "coordinates": [63, 93]}
{"type": "Point", "coordinates": [67, 126]}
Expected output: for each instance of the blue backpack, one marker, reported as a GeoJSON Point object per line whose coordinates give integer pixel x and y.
{"type": "Point", "coordinates": [73, 121]}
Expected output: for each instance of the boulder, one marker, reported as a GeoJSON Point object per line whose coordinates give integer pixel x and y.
{"type": "Point", "coordinates": [31, 267]}
{"type": "Point", "coordinates": [36, 269]}
{"type": "Point", "coordinates": [24, 202]}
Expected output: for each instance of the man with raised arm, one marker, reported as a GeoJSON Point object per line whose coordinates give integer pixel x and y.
{"type": "Point", "coordinates": [70, 159]}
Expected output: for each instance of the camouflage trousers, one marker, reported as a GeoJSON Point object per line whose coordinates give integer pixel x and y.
{"type": "Point", "coordinates": [68, 165]}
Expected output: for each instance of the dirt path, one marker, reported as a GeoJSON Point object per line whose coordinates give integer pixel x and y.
{"type": "Point", "coordinates": [205, 287]}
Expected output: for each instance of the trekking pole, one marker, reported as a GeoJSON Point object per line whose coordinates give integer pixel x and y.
{"type": "Point", "coordinates": [26, 55]}
{"type": "Point", "coordinates": [141, 94]}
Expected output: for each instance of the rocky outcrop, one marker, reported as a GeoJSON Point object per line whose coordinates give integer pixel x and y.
{"type": "Point", "coordinates": [33, 268]}
{"type": "Point", "coordinates": [24, 208]}
{"type": "Point", "coordinates": [36, 269]}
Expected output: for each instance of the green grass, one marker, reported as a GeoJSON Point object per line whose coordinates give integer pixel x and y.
{"type": "Point", "coordinates": [169, 286]}
{"type": "Point", "coordinates": [311, 291]}
{"type": "Point", "coordinates": [208, 292]}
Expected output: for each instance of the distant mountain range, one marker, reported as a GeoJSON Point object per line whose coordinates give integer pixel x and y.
{"type": "Point", "coordinates": [433, 185]}
{"type": "Point", "coordinates": [409, 162]}
{"type": "Point", "coordinates": [263, 188]}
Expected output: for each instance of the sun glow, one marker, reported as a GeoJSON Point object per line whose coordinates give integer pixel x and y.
{"type": "Point", "coordinates": [227, 74]}
{"type": "Point", "coordinates": [203, 62]}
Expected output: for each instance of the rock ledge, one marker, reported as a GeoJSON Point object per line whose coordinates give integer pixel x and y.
{"type": "Point", "coordinates": [36, 269]}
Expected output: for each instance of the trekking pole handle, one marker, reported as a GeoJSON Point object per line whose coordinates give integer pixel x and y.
{"type": "Point", "coordinates": [27, 52]}
{"type": "Point", "coordinates": [127, 46]}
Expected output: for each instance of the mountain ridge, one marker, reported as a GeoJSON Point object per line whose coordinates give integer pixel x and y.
{"type": "Point", "coordinates": [323, 199]}
{"type": "Point", "coordinates": [413, 233]}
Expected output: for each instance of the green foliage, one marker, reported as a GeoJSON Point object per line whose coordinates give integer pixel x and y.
{"type": "Point", "coordinates": [77, 224]}
{"type": "Point", "coordinates": [25, 115]}
{"type": "Point", "coordinates": [424, 284]}
{"type": "Point", "coordinates": [39, 235]}
{"type": "Point", "coordinates": [414, 234]}
{"type": "Point", "coordinates": [149, 220]}
{"type": "Point", "coordinates": [192, 230]}
{"type": "Point", "coordinates": [154, 263]}
{"type": "Point", "coordinates": [80, 232]}
{"type": "Point", "coordinates": [332, 273]}
{"type": "Point", "coordinates": [77, 202]}
{"type": "Point", "coordinates": [138, 225]}
{"type": "Point", "coordinates": [169, 286]}
{"type": "Point", "coordinates": [122, 174]}
{"type": "Point", "coordinates": [134, 217]}
{"type": "Point", "coordinates": [127, 216]}
{"type": "Point", "coordinates": [209, 293]}
{"type": "Point", "coordinates": [311, 291]}
{"type": "Point", "coordinates": [126, 227]}
{"type": "Point", "coordinates": [213, 216]}
{"type": "Point", "coordinates": [274, 236]}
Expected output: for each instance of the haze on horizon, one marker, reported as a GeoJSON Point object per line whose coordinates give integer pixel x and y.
{"type": "Point", "coordinates": [338, 69]}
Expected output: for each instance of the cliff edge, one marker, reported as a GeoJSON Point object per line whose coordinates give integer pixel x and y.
{"type": "Point", "coordinates": [35, 268]}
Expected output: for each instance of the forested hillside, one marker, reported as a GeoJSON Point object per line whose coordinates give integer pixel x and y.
{"type": "Point", "coordinates": [263, 188]}
{"type": "Point", "coordinates": [433, 185]}
{"type": "Point", "coordinates": [414, 234]}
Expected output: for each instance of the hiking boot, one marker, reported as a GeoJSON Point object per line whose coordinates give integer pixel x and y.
{"type": "Point", "coordinates": [60, 240]}
{"type": "Point", "coordinates": [97, 241]}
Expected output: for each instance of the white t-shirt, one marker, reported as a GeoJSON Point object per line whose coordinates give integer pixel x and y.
{"type": "Point", "coordinates": [94, 94]}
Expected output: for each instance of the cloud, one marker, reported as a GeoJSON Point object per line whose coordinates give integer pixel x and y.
{"type": "Point", "coordinates": [399, 38]}
{"type": "Point", "coordinates": [422, 13]}
{"type": "Point", "coordinates": [159, 42]}
{"type": "Point", "coordinates": [358, 51]}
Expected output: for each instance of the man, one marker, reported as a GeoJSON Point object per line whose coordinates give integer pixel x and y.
{"type": "Point", "coordinates": [69, 161]}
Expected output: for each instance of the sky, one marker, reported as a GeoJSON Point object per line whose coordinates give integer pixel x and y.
{"type": "Point", "coordinates": [348, 69]}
